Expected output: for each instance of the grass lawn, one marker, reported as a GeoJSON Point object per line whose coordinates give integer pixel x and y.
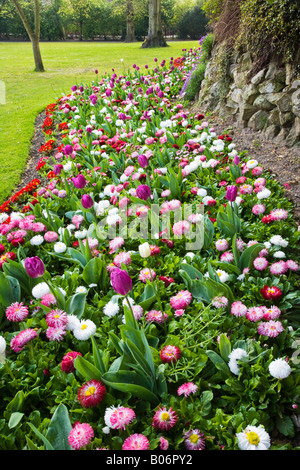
{"type": "Point", "coordinates": [27, 92]}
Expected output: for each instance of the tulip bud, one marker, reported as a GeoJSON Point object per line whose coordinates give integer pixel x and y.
{"type": "Point", "coordinates": [34, 267]}
{"type": "Point", "coordinates": [121, 281]}
{"type": "Point", "coordinates": [231, 193]}
{"type": "Point", "coordinates": [143, 192]}
{"type": "Point", "coordinates": [145, 250]}
{"type": "Point", "coordinates": [86, 201]}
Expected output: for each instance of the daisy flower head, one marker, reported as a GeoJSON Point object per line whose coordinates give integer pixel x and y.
{"type": "Point", "coordinates": [136, 442]}
{"type": "Point", "coordinates": [156, 316]}
{"type": "Point", "coordinates": [251, 163]}
{"type": "Point", "coordinates": [56, 333]}
{"type": "Point", "coordinates": [40, 290]}
{"type": "Point", "coordinates": [292, 265]}
{"type": "Point", "coordinates": [67, 363]}
{"type": "Point", "coordinates": [238, 309]}
{"type": "Point", "coordinates": [181, 228]}
{"type": "Point", "coordinates": [194, 439]}
{"type": "Point", "coordinates": [236, 355]}
{"type": "Point", "coordinates": [253, 438]}
{"type": "Point", "coordinates": [279, 241]}
{"type": "Point", "coordinates": [254, 314]}
{"type": "Point", "coordinates": [223, 275]}
{"type": "Point", "coordinates": [258, 209]}
{"type": "Point", "coordinates": [111, 309]}
{"type": "Point", "coordinates": [280, 369]}
{"type": "Point", "coordinates": [260, 263]}
{"type": "Point", "coordinates": [21, 339]}
{"type": "Point", "coordinates": [118, 417]}
{"type": "Point", "coordinates": [278, 268]}
{"type": "Point", "coordinates": [170, 354]}
{"type": "Point", "coordinates": [147, 274]}
{"type": "Point", "coordinates": [163, 443]}
{"type": "Point", "coordinates": [91, 393]}
{"type": "Point", "coordinates": [279, 214]}
{"type": "Point", "coordinates": [271, 328]}
{"type": "Point", "coordinates": [220, 302]}
{"type": "Point", "coordinates": [181, 300]}
{"type": "Point", "coordinates": [57, 318]}
{"type": "Point", "coordinates": [164, 419]}
{"type": "Point", "coordinates": [16, 312]}
{"type": "Point", "coordinates": [271, 313]}
{"type": "Point", "coordinates": [84, 329]}
{"type": "Point", "coordinates": [48, 299]}
{"type": "Point", "coordinates": [80, 435]}
{"type": "Point", "coordinates": [227, 257]}
{"type": "Point", "coordinates": [187, 388]}
{"type": "Point", "coordinates": [221, 244]}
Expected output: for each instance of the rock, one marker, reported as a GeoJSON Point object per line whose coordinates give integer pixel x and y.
{"type": "Point", "coordinates": [262, 102]}
{"type": "Point", "coordinates": [258, 120]}
{"type": "Point", "coordinates": [259, 77]}
{"type": "Point", "coordinates": [250, 92]}
{"type": "Point", "coordinates": [274, 117]}
{"type": "Point", "coordinates": [239, 78]}
{"type": "Point", "coordinates": [294, 86]}
{"type": "Point", "coordinates": [281, 136]}
{"type": "Point", "coordinates": [286, 119]}
{"type": "Point", "coordinates": [272, 131]}
{"type": "Point", "coordinates": [246, 112]}
{"type": "Point", "coordinates": [270, 86]}
{"type": "Point", "coordinates": [296, 102]}
{"type": "Point", "coordinates": [246, 62]}
{"type": "Point", "coordinates": [275, 73]}
{"type": "Point", "coordinates": [284, 103]}
{"type": "Point", "coordinates": [237, 95]}
{"type": "Point", "coordinates": [294, 135]}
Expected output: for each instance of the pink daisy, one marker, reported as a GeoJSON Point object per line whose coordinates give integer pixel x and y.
{"type": "Point", "coordinates": [145, 275]}
{"type": "Point", "coordinates": [194, 440]}
{"type": "Point", "coordinates": [238, 309]}
{"type": "Point", "coordinates": [260, 263]}
{"type": "Point", "coordinates": [136, 442]}
{"type": "Point", "coordinates": [257, 171]}
{"type": "Point", "coordinates": [278, 268]}
{"type": "Point", "coordinates": [222, 244]}
{"type": "Point", "coordinates": [163, 443]}
{"type": "Point", "coordinates": [91, 393]}
{"type": "Point", "coordinates": [240, 244]}
{"type": "Point", "coordinates": [246, 189]}
{"type": "Point", "coordinates": [56, 333]}
{"type": "Point", "coordinates": [67, 363]}
{"type": "Point", "coordinates": [56, 318]}
{"type": "Point", "coordinates": [179, 312]}
{"type": "Point", "coordinates": [50, 236]}
{"type": "Point", "coordinates": [170, 353]}
{"type": "Point", "coordinates": [181, 228]}
{"type": "Point", "coordinates": [118, 417]}
{"type": "Point", "coordinates": [16, 312]}
{"type": "Point", "coordinates": [220, 302]}
{"type": "Point", "coordinates": [271, 328]}
{"type": "Point", "coordinates": [48, 299]}
{"type": "Point", "coordinates": [181, 300]}
{"type": "Point", "coordinates": [164, 419]}
{"type": "Point", "coordinates": [292, 265]}
{"type": "Point", "coordinates": [115, 244]}
{"type": "Point", "coordinates": [122, 258]}
{"type": "Point", "coordinates": [258, 209]}
{"type": "Point", "coordinates": [227, 257]}
{"type": "Point", "coordinates": [254, 314]}
{"type": "Point", "coordinates": [137, 311]}
{"type": "Point", "coordinates": [22, 338]}
{"type": "Point", "coordinates": [156, 316]}
{"type": "Point", "coordinates": [187, 388]}
{"type": "Point", "coordinates": [80, 435]}
{"type": "Point", "coordinates": [279, 214]}
{"type": "Point", "coordinates": [271, 313]}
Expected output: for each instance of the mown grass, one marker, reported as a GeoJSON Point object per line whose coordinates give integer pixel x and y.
{"type": "Point", "coordinates": [27, 92]}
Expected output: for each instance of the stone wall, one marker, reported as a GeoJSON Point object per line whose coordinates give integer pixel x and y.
{"type": "Point", "coordinates": [269, 101]}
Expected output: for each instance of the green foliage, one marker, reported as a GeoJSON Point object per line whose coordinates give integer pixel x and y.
{"type": "Point", "coordinates": [193, 24]}
{"type": "Point", "coordinates": [275, 24]}
{"type": "Point", "coordinates": [213, 9]}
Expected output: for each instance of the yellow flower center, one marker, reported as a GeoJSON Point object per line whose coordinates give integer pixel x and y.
{"type": "Point", "coordinates": [194, 438]}
{"type": "Point", "coordinates": [252, 437]}
{"type": "Point", "coordinates": [90, 391]}
{"type": "Point", "coordinates": [83, 327]}
{"type": "Point", "coordinates": [56, 316]}
{"type": "Point", "coordinates": [165, 416]}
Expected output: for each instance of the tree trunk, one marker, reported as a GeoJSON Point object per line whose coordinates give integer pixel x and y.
{"type": "Point", "coordinates": [155, 36]}
{"type": "Point", "coordinates": [130, 36]}
{"type": "Point", "coordinates": [33, 36]}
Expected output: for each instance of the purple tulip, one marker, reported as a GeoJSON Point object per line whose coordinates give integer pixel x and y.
{"type": "Point", "coordinates": [79, 181]}
{"type": "Point", "coordinates": [236, 160]}
{"type": "Point", "coordinates": [231, 193]}
{"type": "Point", "coordinates": [68, 149]}
{"type": "Point", "coordinates": [86, 201]}
{"type": "Point", "coordinates": [74, 88]}
{"type": "Point", "coordinates": [121, 281]}
{"type": "Point", "coordinates": [143, 161]}
{"type": "Point", "coordinates": [57, 169]}
{"type": "Point", "coordinates": [34, 267]}
{"type": "Point", "coordinates": [143, 192]}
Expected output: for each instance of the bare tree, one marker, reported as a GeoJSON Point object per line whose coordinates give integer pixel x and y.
{"type": "Point", "coordinates": [155, 36]}
{"type": "Point", "coordinates": [34, 36]}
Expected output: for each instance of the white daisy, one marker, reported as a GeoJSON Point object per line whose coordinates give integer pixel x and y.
{"type": "Point", "coordinates": [84, 330]}
{"type": "Point", "coordinates": [253, 438]}
{"type": "Point", "coordinates": [279, 369]}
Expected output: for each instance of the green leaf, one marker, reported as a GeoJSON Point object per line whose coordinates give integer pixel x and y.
{"type": "Point", "coordinates": [248, 255]}
{"type": "Point", "coordinates": [86, 369]}
{"type": "Point", "coordinates": [129, 381]}
{"type": "Point", "coordinates": [92, 271]}
{"type": "Point", "coordinates": [285, 426]}
{"type": "Point", "coordinates": [59, 429]}
{"type": "Point", "coordinates": [225, 347]}
{"type": "Point", "coordinates": [75, 305]}
{"type": "Point", "coordinates": [47, 444]}
{"type": "Point", "coordinates": [97, 353]}
{"type": "Point", "coordinates": [10, 290]}
{"type": "Point", "coordinates": [14, 419]}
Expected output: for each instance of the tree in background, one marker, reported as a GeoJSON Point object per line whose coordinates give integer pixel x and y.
{"type": "Point", "coordinates": [76, 10]}
{"type": "Point", "coordinates": [193, 25]}
{"type": "Point", "coordinates": [130, 35]}
{"type": "Point", "coordinates": [155, 36]}
{"type": "Point", "coordinates": [34, 34]}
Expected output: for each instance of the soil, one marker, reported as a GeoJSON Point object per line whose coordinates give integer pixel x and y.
{"type": "Point", "coordinates": [281, 161]}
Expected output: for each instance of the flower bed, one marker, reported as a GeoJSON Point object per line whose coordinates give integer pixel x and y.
{"type": "Point", "coordinates": [149, 293]}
